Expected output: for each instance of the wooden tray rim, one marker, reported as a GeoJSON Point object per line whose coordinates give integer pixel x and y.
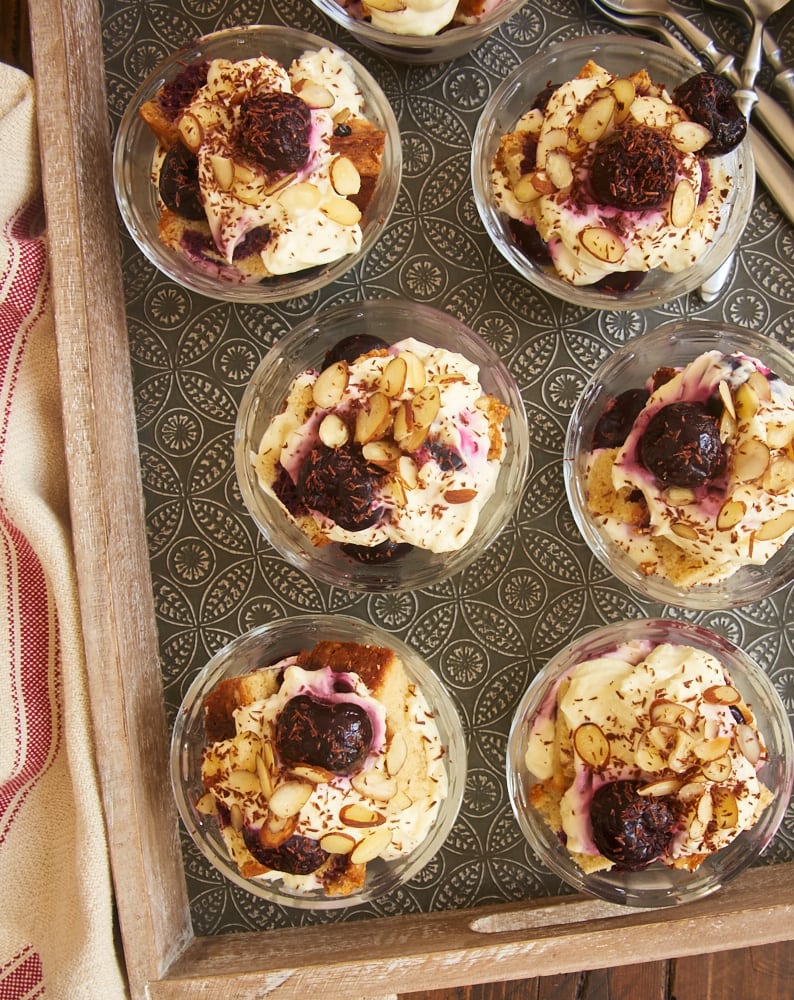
{"type": "Point", "coordinates": [163, 958]}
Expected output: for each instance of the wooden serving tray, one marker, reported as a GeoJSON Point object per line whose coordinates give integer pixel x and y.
{"type": "Point", "coordinates": [164, 958]}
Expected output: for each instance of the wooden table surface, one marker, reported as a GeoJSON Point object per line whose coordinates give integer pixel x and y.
{"type": "Point", "coordinates": [761, 973]}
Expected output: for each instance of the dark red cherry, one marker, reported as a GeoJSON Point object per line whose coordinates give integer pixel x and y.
{"type": "Point", "coordinates": [175, 96]}
{"type": "Point", "coordinates": [529, 242]}
{"type": "Point", "coordinates": [351, 348]}
{"type": "Point", "coordinates": [340, 483]}
{"type": "Point", "coordinates": [634, 169]}
{"type": "Point", "coordinates": [296, 856]}
{"type": "Point", "coordinates": [334, 736]}
{"type": "Point", "coordinates": [618, 418]}
{"type": "Point", "coordinates": [681, 445]}
{"type": "Point", "coordinates": [179, 184]}
{"type": "Point", "coordinates": [385, 552]}
{"type": "Point", "coordinates": [708, 100]}
{"type": "Point", "coordinates": [273, 130]}
{"type": "Point", "coordinates": [631, 829]}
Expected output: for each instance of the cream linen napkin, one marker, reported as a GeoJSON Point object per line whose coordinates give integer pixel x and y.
{"type": "Point", "coordinates": [56, 910]}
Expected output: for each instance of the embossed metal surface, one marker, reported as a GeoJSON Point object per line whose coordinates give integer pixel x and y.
{"type": "Point", "coordinates": [489, 630]}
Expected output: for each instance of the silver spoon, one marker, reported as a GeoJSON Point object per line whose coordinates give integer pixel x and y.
{"type": "Point", "coordinates": [784, 75]}
{"type": "Point", "coordinates": [761, 11]}
{"type": "Point", "coordinates": [776, 174]}
{"type": "Point", "coordinates": [774, 116]}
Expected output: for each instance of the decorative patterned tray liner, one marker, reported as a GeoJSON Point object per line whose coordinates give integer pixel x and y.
{"type": "Point", "coordinates": [489, 630]}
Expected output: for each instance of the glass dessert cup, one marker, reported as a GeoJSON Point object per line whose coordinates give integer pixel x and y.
{"type": "Point", "coordinates": [304, 348]}
{"type": "Point", "coordinates": [135, 148]}
{"type": "Point", "coordinates": [516, 95]}
{"type": "Point", "coordinates": [657, 885]}
{"type": "Point", "coordinates": [675, 345]}
{"type": "Point", "coordinates": [446, 45]}
{"type": "Point", "coordinates": [264, 646]}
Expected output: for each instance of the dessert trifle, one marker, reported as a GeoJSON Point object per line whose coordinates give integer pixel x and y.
{"type": "Point", "coordinates": [264, 152]}
{"type": "Point", "coordinates": [381, 445]}
{"type": "Point", "coordinates": [317, 761]}
{"type": "Point", "coordinates": [680, 464]}
{"type": "Point", "coordinates": [620, 178]}
{"type": "Point", "coordinates": [645, 760]}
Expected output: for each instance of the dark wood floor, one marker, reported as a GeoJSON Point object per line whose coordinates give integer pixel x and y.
{"type": "Point", "coordinates": [763, 973]}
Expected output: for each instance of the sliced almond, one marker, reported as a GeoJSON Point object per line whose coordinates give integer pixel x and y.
{"type": "Point", "coordinates": [625, 93]}
{"type": "Point", "coordinates": [333, 431]}
{"type": "Point", "coordinates": [730, 514]}
{"type": "Point", "coordinates": [602, 243]}
{"type": "Point", "coordinates": [726, 397]}
{"type": "Point", "coordinates": [591, 744]}
{"type": "Point", "coordinates": [249, 192]}
{"type": "Point", "coordinates": [208, 116]}
{"type": "Point", "coordinates": [223, 169]}
{"type": "Point", "coordinates": [344, 176]}
{"type": "Point", "coordinates": [402, 800]}
{"type": "Point", "coordinates": [746, 402]}
{"type": "Point", "coordinates": [415, 440]}
{"type": "Point", "coordinates": [274, 832]}
{"type": "Point", "coordinates": [398, 492]}
{"type": "Point", "coordinates": [691, 790]}
{"type": "Point", "coordinates": [244, 782]}
{"type": "Point", "coordinates": [664, 786]}
{"type": "Point", "coordinates": [780, 435]}
{"type": "Point", "coordinates": [750, 460]}
{"type": "Point", "coordinates": [749, 743]}
{"type": "Point", "coordinates": [190, 131]}
{"type": "Point", "coordinates": [207, 805]}
{"type": "Point", "coordinates": [372, 422]}
{"type": "Point", "coordinates": [776, 527]}
{"type": "Point", "coordinates": [689, 137]}
{"type": "Point", "coordinates": [705, 808]}
{"type": "Point", "coordinates": [682, 204]}
{"type": "Point", "coordinates": [526, 190]}
{"type": "Point", "coordinates": [301, 197]}
{"type": "Point", "coordinates": [394, 377]}
{"type": "Point", "coordinates": [265, 777]}
{"type": "Point", "coordinates": [236, 817]}
{"type": "Point", "coordinates": [672, 713]}
{"type": "Point", "coordinates": [340, 210]}
{"type": "Point", "coordinates": [684, 530]}
{"type": "Point", "coordinates": [314, 94]}
{"type": "Point", "coordinates": [289, 798]}
{"type": "Point", "coordinates": [719, 769]}
{"type": "Point", "coordinates": [597, 117]}
{"type": "Point", "coordinates": [416, 374]}
{"type": "Point", "coordinates": [280, 183]}
{"type": "Point", "coordinates": [649, 756]}
{"type": "Point", "coordinates": [408, 471]}
{"type": "Point", "coordinates": [459, 496]}
{"type": "Point", "coordinates": [679, 496]}
{"type": "Point", "coordinates": [425, 406]}
{"type": "Point", "coordinates": [680, 756]}
{"type": "Point", "coordinates": [219, 74]}
{"type": "Point", "coordinates": [375, 785]}
{"type": "Point", "coordinates": [383, 453]}
{"type": "Point", "coordinates": [779, 477]}
{"type": "Point", "coordinates": [760, 385]}
{"type": "Point", "coordinates": [337, 843]}
{"type": "Point", "coordinates": [652, 111]}
{"type": "Point", "coordinates": [329, 386]}
{"type": "Point", "coordinates": [712, 749]}
{"type": "Point", "coordinates": [310, 772]}
{"type": "Point", "coordinates": [552, 138]}
{"type": "Point", "coordinates": [727, 425]}
{"type": "Point", "coordinates": [397, 754]}
{"type": "Point", "coordinates": [355, 815]}
{"type": "Point", "coordinates": [722, 694]}
{"type": "Point", "coordinates": [726, 809]}
{"type": "Point", "coordinates": [558, 169]}
{"type": "Point", "coordinates": [371, 846]}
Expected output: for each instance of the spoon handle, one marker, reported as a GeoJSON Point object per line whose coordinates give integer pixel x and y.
{"type": "Point", "coordinates": [784, 81]}
{"type": "Point", "coordinates": [775, 173]}
{"type": "Point", "coordinates": [784, 75]}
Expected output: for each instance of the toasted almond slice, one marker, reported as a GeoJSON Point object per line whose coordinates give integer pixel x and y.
{"type": "Point", "coordinates": [597, 118]}
{"type": "Point", "coordinates": [602, 243]}
{"type": "Point", "coordinates": [416, 374]}
{"type": "Point", "coordinates": [397, 754]}
{"type": "Point", "coordinates": [402, 800]}
{"type": "Point", "coordinates": [372, 422]}
{"type": "Point", "coordinates": [722, 694]}
{"type": "Point", "coordinates": [750, 460]}
{"type": "Point", "coordinates": [679, 758]}
{"type": "Point", "coordinates": [384, 453]}
{"type": "Point", "coordinates": [268, 754]}
{"type": "Point", "coordinates": [526, 190]}
{"type": "Point", "coordinates": [340, 210]}
{"type": "Point", "coordinates": [625, 92]}
{"type": "Point", "coordinates": [387, 6]}
{"type": "Point", "coordinates": [190, 131]}
{"type": "Point", "coordinates": [727, 426]}
{"type": "Point", "coordinates": [329, 386]}
{"type": "Point", "coordinates": [223, 169]}
{"type": "Point", "coordinates": [403, 422]}
{"type": "Point", "coordinates": [415, 440]}
{"type": "Point", "coordinates": [780, 435]}
{"type": "Point", "coordinates": [208, 116]}
{"type": "Point", "coordinates": [691, 790]}
{"type": "Point", "coordinates": [712, 749]}
{"type": "Point", "coordinates": [394, 377]}
{"type": "Point", "coordinates": [719, 769]}
{"type": "Point", "coordinates": [298, 198]}
{"type": "Point", "coordinates": [689, 137]}
{"type": "Point", "coordinates": [275, 831]}
{"type": "Point", "coordinates": [236, 817]}
{"type": "Point", "coordinates": [552, 138]}
{"type": "Point", "coordinates": [746, 402]}
{"type": "Point", "coordinates": [684, 530]}
{"type": "Point", "coordinates": [314, 94]}
{"type": "Point", "coordinates": [218, 76]}
{"type": "Point", "coordinates": [558, 169]}
{"type": "Point", "coordinates": [672, 713]}
{"type": "Point", "coordinates": [652, 111]}
{"type": "Point", "coordinates": [375, 785]}
{"type": "Point", "coordinates": [679, 496]}
{"type": "Point", "coordinates": [682, 204]}
{"type": "Point", "coordinates": [705, 808]}
{"type": "Point", "coordinates": [425, 406]}
{"type": "Point", "coordinates": [591, 744]}
{"type": "Point", "coordinates": [250, 193]}
{"type": "Point", "coordinates": [244, 782]}
{"type": "Point", "coordinates": [310, 772]}
{"type": "Point", "coordinates": [664, 786]}
{"type": "Point", "coordinates": [371, 846]}
{"type": "Point", "coordinates": [730, 514]}
{"type": "Point", "coordinates": [760, 385]}
{"type": "Point", "coordinates": [289, 798]}
{"type": "Point", "coordinates": [459, 496]}
{"type": "Point", "coordinates": [355, 815]}
{"type": "Point", "coordinates": [280, 183]}
{"type": "Point", "coordinates": [726, 397]}
{"type": "Point", "coordinates": [333, 431]}
{"type": "Point", "coordinates": [408, 471]}
{"type": "Point", "coordinates": [779, 477]}
{"type": "Point", "coordinates": [776, 527]}
{"type": "Point", "coordinates": [749, 743]}
{"type": "Point", "coordinates": [207, 805]}
{"type": "Point", "coordinates": [648, 756]}
{"type": "Point", "coordinates": [697, 828]}
{"type": "Point", "coordinates": [344, 176]}
{"type": "Point", "coordinates": [265, 777]}
{"type": "Point", "coordinates": [726, 809]}
{"type": "Point", "coordinates": [337, 843]}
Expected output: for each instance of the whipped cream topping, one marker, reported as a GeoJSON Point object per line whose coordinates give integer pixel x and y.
{"type": "Point", "coordinates": [671, 718]}
{"type": "Point", "coordinates": [744, 516]}
{"type": "Point", "coordinates": [408, 814]}
{"type": "Point", "coordinates": [419, 17]}
{"type": "Point", "coordinates": [425, 500]}
{"type": "Point", "coordinates": [294, 208]}
{"type": "Point", "coordinates": [588, 240]}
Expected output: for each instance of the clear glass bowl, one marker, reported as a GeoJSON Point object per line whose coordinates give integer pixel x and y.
{"type": "Point", "coordinates": [657, 885]}
{"type": "Point", "coordinates": [266, 645]}
{"type": "Point", "coordinates": [675, 344]}
{"type": "Point", "coordinates": [445, 46]}
{"type": "Point", "coordinates": [516, 95]}
{"type": "Point", "coordinates": [303, 348]}
{"type": "Point", "coordinates": [135, 149]}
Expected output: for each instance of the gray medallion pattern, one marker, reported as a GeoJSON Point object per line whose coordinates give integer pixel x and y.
{"type": "Point", "coordinates": [489, 630]}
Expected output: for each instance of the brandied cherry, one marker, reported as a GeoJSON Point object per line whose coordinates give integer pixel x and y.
{"type": "Point", "coordinates": [618, 418]}
{"type": "Point", "coordinates": [708, 100]}
{"type": "Point", "coordinates": [631, 829]}
{"type": "Point", "coordinates": [339, 483]}
{"type": "Point", "coordinates": [351, 348]}
{"type": "Point", "coordinates": [681, 445]}
{"type": "Point", "coordinates": [334, 736]}
{"type": "Point", "coordinates": [296, 856]}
